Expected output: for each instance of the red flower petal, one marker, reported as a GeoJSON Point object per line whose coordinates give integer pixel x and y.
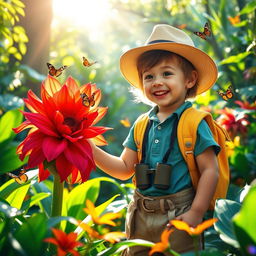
{"type": "Point", "coordinates": [53, 147]}
{"type": "Point", "coordinates": [33, 103]}
{"type": "Point", "coordinates": [64, 167]}
{"type": "Point", "coordinates": [43, 174]}
{"type": "Point", "coordinates": [42, 122]}
{"type": "Point", "coordinates": [36, 157]}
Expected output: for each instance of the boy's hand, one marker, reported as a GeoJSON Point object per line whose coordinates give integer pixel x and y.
{"type": "Point", "coordinates": [191, 217]}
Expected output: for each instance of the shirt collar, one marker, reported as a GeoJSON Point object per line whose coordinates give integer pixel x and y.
{"type": "Point", "coordinates": [152, 113]}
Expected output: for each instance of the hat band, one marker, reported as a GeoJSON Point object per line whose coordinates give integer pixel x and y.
{"type": "Point", "coordinates": [160, 41]}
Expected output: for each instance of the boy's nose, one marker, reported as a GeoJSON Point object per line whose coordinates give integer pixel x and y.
{"type": "Point", "coordinates": [157, 82]}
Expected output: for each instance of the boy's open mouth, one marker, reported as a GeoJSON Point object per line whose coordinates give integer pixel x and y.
{"type": "Point", "coordinates": [160, 93]}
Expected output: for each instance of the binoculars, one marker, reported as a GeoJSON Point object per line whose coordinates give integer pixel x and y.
{"type": "Point", "coordinates": [160, 176]}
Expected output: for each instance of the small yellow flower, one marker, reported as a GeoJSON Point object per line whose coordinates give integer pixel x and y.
{"type": "Point", "coordinates": [181, 225]}
{"type": "Point", "coordinates": [231, 145]}
{"type": "Point", "coordinates": [164, 244]}
{"type": "Point", "coordinates": [105, 219]}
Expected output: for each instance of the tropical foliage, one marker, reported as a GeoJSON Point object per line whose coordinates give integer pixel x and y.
{"type": "Point", "coordinates": [90, 218]}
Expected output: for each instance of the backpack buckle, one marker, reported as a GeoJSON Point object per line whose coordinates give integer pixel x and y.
{"type": "Point", "coordinates": [189, 152]}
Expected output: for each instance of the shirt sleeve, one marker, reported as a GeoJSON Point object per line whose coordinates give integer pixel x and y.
{"type": "Point", "coordinates": [129, 141]}
{"type": "Point", "coordinates": [205, 139]}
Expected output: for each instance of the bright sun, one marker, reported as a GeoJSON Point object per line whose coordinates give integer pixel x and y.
{"type": "Point", "coordinates": [82, 13]}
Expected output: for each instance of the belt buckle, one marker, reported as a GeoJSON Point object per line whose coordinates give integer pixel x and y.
{"type": "Point", "coordinates": [144, 206]}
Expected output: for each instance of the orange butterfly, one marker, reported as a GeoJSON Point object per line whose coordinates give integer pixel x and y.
{"type": "Point", "coordinates": [88, 101]}
{"type": "Point", "coordinates": [86, 62]}
{"type": "Point", "coordinates": [207, 32]}
{"type": "Point", "coordinates": [53, 71]}
{"type": "Point", "coordinates": [125, 122]}
{"type": "Point", "coordinates": [21, 178]}
{"type": "Point", "coordinates": [226, 95]}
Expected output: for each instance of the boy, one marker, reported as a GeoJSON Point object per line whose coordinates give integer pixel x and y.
{"type": "Point", "coordinates": [168, 70]}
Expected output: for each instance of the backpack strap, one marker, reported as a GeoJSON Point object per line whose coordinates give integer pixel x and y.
{"type": "Point", "coordinates": [139, 131]}
{"type": "Point", "coordinates": [187, 135]}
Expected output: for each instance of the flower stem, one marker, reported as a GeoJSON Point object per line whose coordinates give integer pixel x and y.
{"type": "Point", "coordinates": [57, 197]}
{"type": "Point", "coordinates": [196, 245]}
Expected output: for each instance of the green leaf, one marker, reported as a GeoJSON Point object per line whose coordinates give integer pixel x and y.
{"type": "Point", "coordinates": [53, 221]}
{"type": "Point", "coordinates": [45, 204]}
{"type": "Point", "coordinates": [235, 58]}
{"type": "Point", "coordinates": [9, 158]}
{"type": "Point", "coordinates": [35, 199]}
{"type": "Point", "coordinates": [9, 211]}
{"type": "Point", "coordinates": [16, 198]}
{"type": "Point", "coordinates": [225, 210]}
{"type": "Point", "coordinates": [75, 201]}
{"type": "Point", "coordinates": [31, 234]}
{"type": "Point", "coordinates": [123, 245]}
{"type": "Point", "coordinates": [249, 92]}
{"type": "Point", "coordinates": [250, 7]}
{"type": "Point", "coordinates": [8, 187]}
{"type": "Point", "coordinates": [244, 222]}
{"type": "Point", "coordinates": [8, 121]}
{"type": "Point", "coordinates": [207, 252]}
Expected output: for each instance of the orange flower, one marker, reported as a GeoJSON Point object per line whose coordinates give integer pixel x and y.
{"type": "Point", "coordinates": [181, 225]}
{"type": "Point", "coordinates": [60, 126]}
{"type": "Point", "coordinates": [66, 243]}
{"type": "Point", "coordinates": [164, 244]}
{"type": "Point", "coordinates": [234, 20]}
{"type": "Point", "coordinates": [105, 219]}
{"type": "Point", "coordinates": [111, 237]}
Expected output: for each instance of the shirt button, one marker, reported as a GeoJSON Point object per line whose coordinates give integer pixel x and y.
{"type": "Point", "coordinates": [156, 141]}
{"type": "Point", "coordinates": [159, 127]}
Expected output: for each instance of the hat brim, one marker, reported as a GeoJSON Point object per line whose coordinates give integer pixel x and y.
{"type": "Point", "coordinates": [205, 66]}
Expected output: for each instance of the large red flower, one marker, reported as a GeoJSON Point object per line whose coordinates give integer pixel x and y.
{"type": "Point", "coordinates": [60, 126]}
{"type": "Point", "coordinates": [234, 122]}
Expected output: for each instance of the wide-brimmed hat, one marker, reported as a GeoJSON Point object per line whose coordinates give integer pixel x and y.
{"type": "Point", "coordinates": [166, 37]}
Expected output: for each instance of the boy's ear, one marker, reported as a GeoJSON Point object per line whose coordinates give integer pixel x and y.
{"type": "Point", "coordinates": [191, 81]}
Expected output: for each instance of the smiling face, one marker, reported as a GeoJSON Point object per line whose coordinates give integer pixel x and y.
{"type": "Point", "coordinates": [166, 85]}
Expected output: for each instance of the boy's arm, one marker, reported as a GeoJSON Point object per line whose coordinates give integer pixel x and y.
{"type": "Point", "coordinates": [119, 167]}
{"type": "Point", "coordinates": [208, 167]}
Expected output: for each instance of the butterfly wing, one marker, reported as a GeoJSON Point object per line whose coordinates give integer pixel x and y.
{"type": "Point", "coordinates": [22, 178]}
{"type": "Point", "coordinates": [55, 72]}
{"type": "Point", "coordinates": [229, 92]}
{"type": "Point", "coordinates": [85, 100]}
{"type": "Point", "coordinates": [52, 69]}
{"type": "Point", "coordinates": [201, 35]}
{"type": "Point", "coordinates": [60, 70]}
{"type": "Point", "coordinates": [86, 62]}
{"type": "Point", "coordinates": [92, 101]}
{"type": "Point", "coordinates": [207, 30]}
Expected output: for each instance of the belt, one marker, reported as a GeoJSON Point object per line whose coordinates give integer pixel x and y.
{"type": "Point", "coordinates": [164, 203]}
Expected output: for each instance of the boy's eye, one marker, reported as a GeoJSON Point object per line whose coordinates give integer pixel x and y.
{"type": "Point", "coordinates": [147, 77]}
{"type": "Point", "coordinates": [167, 73]}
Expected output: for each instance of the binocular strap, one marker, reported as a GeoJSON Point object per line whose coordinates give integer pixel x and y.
{"type": "Point", "coordinates": [145, 140]}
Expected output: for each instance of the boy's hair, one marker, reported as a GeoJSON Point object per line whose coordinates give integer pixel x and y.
{"type": "Point", "coordinates": [149, 59]}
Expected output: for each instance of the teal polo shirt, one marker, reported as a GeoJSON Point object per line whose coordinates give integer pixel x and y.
{"type": "Point", "coordinates": [158, 144]}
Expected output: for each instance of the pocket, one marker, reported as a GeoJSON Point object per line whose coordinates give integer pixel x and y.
{"type": "Point", "coordinates": [129, 222]}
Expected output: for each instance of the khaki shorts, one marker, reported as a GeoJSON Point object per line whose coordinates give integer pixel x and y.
{"type": "Point", "coordinates": [147, 217]}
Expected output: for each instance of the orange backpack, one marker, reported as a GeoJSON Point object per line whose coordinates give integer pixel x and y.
{"type": "Point", "coordinates": [187, 133]}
